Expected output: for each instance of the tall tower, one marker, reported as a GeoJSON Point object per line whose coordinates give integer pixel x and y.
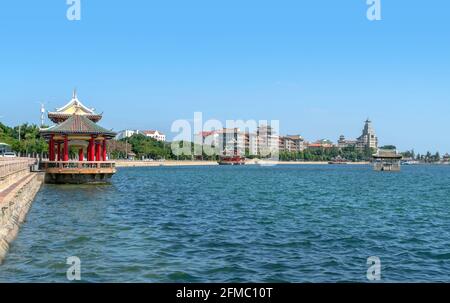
{"type": "Point", "coordinates": [368, 138]}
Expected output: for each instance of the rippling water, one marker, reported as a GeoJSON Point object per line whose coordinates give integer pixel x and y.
{"type": "Point", "coordinates": [232, 224]}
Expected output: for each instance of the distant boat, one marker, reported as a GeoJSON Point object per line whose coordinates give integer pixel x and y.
{"type": "Point", "coordinates": [231, 160]}
{"type": "Point", "coordinates": [410, 162]}
{"type": "Point", "coordinates": [338, 160]}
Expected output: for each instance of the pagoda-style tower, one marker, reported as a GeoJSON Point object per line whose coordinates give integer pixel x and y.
{"type": "Point", "coordinates": [75, 128]}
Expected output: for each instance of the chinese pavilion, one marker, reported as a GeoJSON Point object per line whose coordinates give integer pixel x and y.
{"type": "Point", "coordinates": [76, 133]}
{"type": "Point", "coordinates": [387, 160]}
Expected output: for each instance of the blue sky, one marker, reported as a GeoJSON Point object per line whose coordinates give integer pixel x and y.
{"type": "Point", "coordinates": [320, 67]}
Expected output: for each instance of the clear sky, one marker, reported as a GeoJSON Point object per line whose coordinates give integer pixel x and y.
{"type": "Point", "coordinates": [318, 66]}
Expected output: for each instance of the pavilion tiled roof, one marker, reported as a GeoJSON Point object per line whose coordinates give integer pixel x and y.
{"type": "Point", "coordinates": [60, 117]}
{"type": "Point", "coordinates": [388, 154]}
{"type": "Point", "coordinates": [78, 124]}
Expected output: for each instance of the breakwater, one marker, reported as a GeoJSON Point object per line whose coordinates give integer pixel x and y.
{"type": "Point", "coordinates": [18, 186]}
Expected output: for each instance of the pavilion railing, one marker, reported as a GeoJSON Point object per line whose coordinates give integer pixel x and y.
{"type": "Point", "coordinates": [387, 165]}
{"type": "Point", "coordinates": [77, 165]}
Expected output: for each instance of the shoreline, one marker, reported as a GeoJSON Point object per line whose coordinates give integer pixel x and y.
{"type": "Point", "coordinates": [17, 194]}
{"type": "Point", "coordinates": [129, 163]}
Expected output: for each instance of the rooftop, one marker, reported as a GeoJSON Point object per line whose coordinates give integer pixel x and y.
{"type": "Point", "coordinates": [78, 124]}
{"type": "Point", "coordinates": [74, 106]}
{"type": "Point", "coordinates": [387, 154]}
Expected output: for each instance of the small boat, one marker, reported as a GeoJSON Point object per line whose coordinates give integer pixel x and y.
{"type": "Point", "coordinates": [231, 160]}
{"type": "Point", "coordinates": [410, 162]}
{"type": "Point", "coordinates": [338, 160]}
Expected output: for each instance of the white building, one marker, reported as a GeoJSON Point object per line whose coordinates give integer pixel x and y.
{"type": "Point", "coordinates": [126, 134]}
{"type": "Point", "coordinates": [155, 134]}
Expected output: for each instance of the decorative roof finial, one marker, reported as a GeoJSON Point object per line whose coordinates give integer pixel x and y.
{"type": "Point", "coordinates": [74, 95]}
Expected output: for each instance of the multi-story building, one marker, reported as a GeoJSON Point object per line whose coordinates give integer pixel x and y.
{"type": "Point", "coordinates": [368, 139]}
{"type": "Point", "coordinates": [292, 143]}
{"type": "Point", "coordinates": [268, 140]}
{"type": "Point", "coordinates": [225, 141]}
{"type": "Point", "coordinates": [343, 142]}
{"type": "Point", "coordinates": [125, 134]}
{"type": "Point", "coordinates": [321, 144]}
{"type": "Point", "coordinates": [251, 143]}
{"type": "Point", "coordinates": [231, 140]}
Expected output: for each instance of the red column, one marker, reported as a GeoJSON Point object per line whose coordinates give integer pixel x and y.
{"type": "Point", "coordinates": [51, 149]}
{"type": "Point", "coordinates": [66, 149]}
{"type": "Point", "coordinates": [88, 151]}
{"type": "Point", "coordinates": [104, 150]}
{"type": "Point", "coordinates": [59, 151]}
{"type": "Point", "coordinates": [80, 155]}
{"type": "Point", "coordinates": [92, 149]}
{"type": "Point", "coordinates": [97, 151]}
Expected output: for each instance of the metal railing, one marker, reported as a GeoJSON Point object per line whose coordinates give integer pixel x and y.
{"type": "Point", "coordinates": [387, 166]}
{"type": "Point", "coordinates": [77, 165]}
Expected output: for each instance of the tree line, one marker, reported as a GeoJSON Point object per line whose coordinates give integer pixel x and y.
{"type": "Point", "coordinates": [24, 139]}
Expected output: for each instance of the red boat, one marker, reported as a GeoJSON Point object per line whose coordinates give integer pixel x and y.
{"type": "Point", "coordinates": [231, 160]}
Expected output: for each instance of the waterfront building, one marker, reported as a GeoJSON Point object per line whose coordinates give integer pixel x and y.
{"type": "Point", "coordinates": [268, 141]}
{"type": "Point", "coordinates": [231, 141]}
{"type": "Point", "coordinates": [321, 144]}
{"type": "Point", "coordinates": [208, 137]}
{"type": "Point", "coordinates": [292, 143]}
{"type": "Point", "coordinates": [368, 139]}
{"type": "Point", "coordinates": [226, 140]}
{"type": "Point", "coordinates": [155, 134]}
{"type": "Point", "coordinates": [344, 143]}
{"type": "Point", "coordinates": [76, 129]}
{"type": "Point", "coordinates": [264, 142]}
{"type": "Point", "coordinates": [387, 160]}
{"type": "Point", "coordinates": [127, 133]}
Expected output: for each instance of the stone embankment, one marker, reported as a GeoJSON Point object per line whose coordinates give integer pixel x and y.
{"type": "Point", "coordinates": [18, 186]}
